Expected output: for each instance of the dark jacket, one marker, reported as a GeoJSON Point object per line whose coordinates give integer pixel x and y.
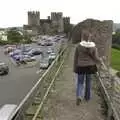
{"type": "Point", "coordinates": [85, 59]}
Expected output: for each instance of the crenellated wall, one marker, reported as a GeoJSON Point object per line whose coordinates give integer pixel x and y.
{"type": "Point", "coordinates": [57, 20]}
{"type": "Point", "coordinates": [33, 18]}
{"type": "Point", "coordinates": [66, 20]}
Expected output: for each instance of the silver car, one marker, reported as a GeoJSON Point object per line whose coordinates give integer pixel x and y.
{"type": "Point", "coordinates": [44, 64]}
{"type": "Point", "coordinates": [52, 55]}
{"type": "Point", "coordinates": [4, 69]}
{"type": "Point", "coordinates": [6, 111]}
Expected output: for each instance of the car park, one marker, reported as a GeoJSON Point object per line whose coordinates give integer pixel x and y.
{"type": "Point", "coordinates": [31, 52]}
{"type": "Point", "coordinates": [4, 69]}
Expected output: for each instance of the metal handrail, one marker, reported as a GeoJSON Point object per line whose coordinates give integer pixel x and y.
{"type": "Point", "coordinates": [31, 93]}
{"type": "Point", "coordinates": [46, 94]}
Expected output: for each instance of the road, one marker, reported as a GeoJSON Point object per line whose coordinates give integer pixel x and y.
{"type": "Point", "coordinates": [15, 85]}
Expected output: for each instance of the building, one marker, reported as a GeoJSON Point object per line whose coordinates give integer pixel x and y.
{"type": "Point", "coordinates": [53, 24]}
{"type": "Point", "coordinates": [3, 36]}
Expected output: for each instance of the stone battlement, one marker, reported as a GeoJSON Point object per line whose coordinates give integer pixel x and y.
{"type": "Point", "coordinates": [55, 22]}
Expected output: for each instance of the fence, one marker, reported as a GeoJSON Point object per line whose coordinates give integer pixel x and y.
{"type": "Point", "coordinates": [31, 105]}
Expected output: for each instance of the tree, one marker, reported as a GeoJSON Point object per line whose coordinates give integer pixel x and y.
{"type": "Point", "coordinates": [118, 30]}
{"type": "Point", "coordinates": [116, 38]}
{"type": "Point", "coordinates": [14, 36]}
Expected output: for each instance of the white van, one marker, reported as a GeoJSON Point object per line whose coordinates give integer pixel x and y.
{"type": "Point", "coordinates": [6, 111]}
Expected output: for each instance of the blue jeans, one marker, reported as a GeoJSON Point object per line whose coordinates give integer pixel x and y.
{"type": "Point", "coordinates": [80, 86]}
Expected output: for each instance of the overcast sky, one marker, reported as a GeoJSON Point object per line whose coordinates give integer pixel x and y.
{"type": "Point", "coordinates": [14, 12]}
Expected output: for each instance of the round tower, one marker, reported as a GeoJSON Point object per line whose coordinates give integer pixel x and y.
{"type": "Point", "coordinates": [57, 20]}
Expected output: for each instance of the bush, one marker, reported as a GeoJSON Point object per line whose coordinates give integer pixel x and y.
{"type": "Point", "coordinates": [3, 42]}
{"type": "Point", "coordinates": [118, 74]}
{"type": "Point", "coordinates": [14, 36]}
{"type": "Point", "coordinates": [27, 41]}
{"type": "Point", "coordinates": [116, 46]}
{"type": "Point", "coordinates": [116, 38]}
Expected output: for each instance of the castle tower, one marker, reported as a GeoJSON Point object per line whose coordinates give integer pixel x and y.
{"type": "Point", "coordinates": [57, 20]}
{"type": "Point", "coordinates": [66, 20]}
{"type": "Point", "coordinates": [33, 18]}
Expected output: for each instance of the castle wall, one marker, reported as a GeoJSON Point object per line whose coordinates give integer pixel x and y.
{"type": "Point", "coordinates": [55, 21]}
{"type": "Point", "coordinates": [101, 32]}
{"type": "Point", "coordinates": [66, 22]}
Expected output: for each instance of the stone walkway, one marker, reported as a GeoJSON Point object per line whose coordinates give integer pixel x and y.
{"type": "Point", "coordinates": [62, 102]}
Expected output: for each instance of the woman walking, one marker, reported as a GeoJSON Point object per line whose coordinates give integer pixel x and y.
{"type": "Point", "coordinates": [85, 60]}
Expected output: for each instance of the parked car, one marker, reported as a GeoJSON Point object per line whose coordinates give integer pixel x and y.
{"type": "Point", "coordinates": [4, 69]}
{"type": "Point", "coordinates": [28, 58]}
{"type": "Point", "coordinates": [63, 36]}
{"type": "Point", "coordinates": [48, 43]}
{"type": "Point", "coordinates": [34, 52]}
{"type": "Point", "coordinates": [39, 42]}
{"type": "Point", "coordinates": [49, 50]}
{"type": "Point", "coordinates": [26, 49]}
{"type": "Point", "coordinates": [6, 111]}
{"type": "Point", "coordinates": [34, 40]}
{"type": "Point", "coordinates": [8, 50]}
{"type": "Point", "coordinates": [42, 43]}
{"type": "Point", "coordinates": [44, 64]}
{"type": "Point", "coordinates": [16, 57]}
{"type": "Point", "coordinates": [57, 39]}
{"type": "Point", "coordinates": [15, 52]}
{"type": "Point", "coordinates": [52, 55]}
